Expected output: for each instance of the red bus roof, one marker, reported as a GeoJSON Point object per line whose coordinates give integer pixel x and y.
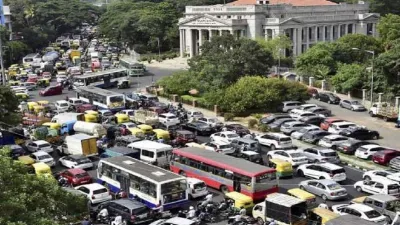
{"type": "Point", "coordinates": [222, 161]}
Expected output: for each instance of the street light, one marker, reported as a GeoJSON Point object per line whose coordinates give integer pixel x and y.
{"type": "Point", "coordinates": [372, 68]}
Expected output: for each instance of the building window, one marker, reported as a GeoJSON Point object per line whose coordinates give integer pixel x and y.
{"type": "Point", "coordinates": [310, 33]}
{"type": "Point", "coordinates": [282, 16]}
{"type": "Point", "coordinates": [218, 16]}
{"type": "Point", "coordinates": [239, 17]}
{"type": "Point", "coordinates": [228, 17]}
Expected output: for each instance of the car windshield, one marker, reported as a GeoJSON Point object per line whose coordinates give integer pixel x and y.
{"type": "Point", "coordinates": [199, 185]}
{"type": "Point", "coordinates": [64, 104]}
{"type": "Point", "coordinates": [265, 178]}
{"type": "Point", "coordinates": [372, 214]}
{"type": "Point", "coordinates": [224, 146]}
{"type": "Point", "coordinates": [42, 157]}
{"type": "Point", "coordinates": [296, 155]}
{"type": "Point", "coordinates": [44, 145]}
{"type": "Point", "coordinates": [81, 175]}
{"type": "Point", "coordinates": [338, 171]}
{"type": "Point", "coordinates": [355, 103]}
{"type": "Point", "coordinates": [255, 157]}
{"type": "Point", "coordinates": [334, 186]}
{"type": "Point", "coordinates": [83, 160]}
{"type": "Point", "coordinates": [100, 191]}
{"type": "Point", "coordinates": [131, 125]}
{"type": "Point", "coordinates": [232, 135]}
{"type": "Point", "coordinates": [329, 154]}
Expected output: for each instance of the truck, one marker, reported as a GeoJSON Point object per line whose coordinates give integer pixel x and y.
{"type": "Point", "coordinates": [93, 129]}
{"type": "Point", "coordinates": [145, 117]}
{"type": "Point", "coordinates": [384, 110]}
{"type": "Point", "coordinates": [33, 119]}
{"type": "Point", "coordinates": [78, 144]}
{"type": "Point", "coordinates": [67, 127]}
{"type": "Point", "coordinates": [67, 117]}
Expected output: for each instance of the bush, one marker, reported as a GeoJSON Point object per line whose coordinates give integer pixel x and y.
{"type": "Point", "coordinates": [258, 116]}
{"type": "Point", "coordinates": [179, 83]}
{"type": "Point", "coordinates": [264, 128]}
{"type": "Point", "coordinates": [229, 116]}
{"type": "Point", "coordinates": [143, 59]}
{"type": "Point", "coordinates": [163, 57]}
{"type": "Point", "coordinates": [252, 123]}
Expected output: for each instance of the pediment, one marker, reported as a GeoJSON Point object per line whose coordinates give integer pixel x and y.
{"type": "Point", "coordinates": [204, 20]}
{"type": "Point", "coordinates": [290, 21]}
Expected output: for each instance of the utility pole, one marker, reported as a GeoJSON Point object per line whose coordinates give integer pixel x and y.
{"type": "Point", "coordinates": [3, 75]}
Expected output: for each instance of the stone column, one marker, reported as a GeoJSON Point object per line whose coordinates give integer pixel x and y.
{"type": "Point", "coordinates": [397, 102]}
{"type": "Point", "coordinates": [323, 33]}
{"type": "Point", "coordinates": [190, 39]}
{"type": "Point", "coordinates": [307, 37]}
{"type": "Point", "coordinates": [200, 40]}
{"type": "Point", "coordinates": [323, 85]}
{"type": "Point", "coordinates": [242, 33]}
{"type": "Point", "coordinates": [364, 95]}
{"type": "Point", "coordinates": [379, 97]}
{"type": "Point", "coordinates": [295, 41]}
{"type": "Point", "coordinates": [182, 44]}
{"type": "Point", "coordinates": [311, 82]}
{"type": "Point", "coordinates": [374, 29]}
{"type": "Point", "coordinates": [299, 41]}
{"type": "Point", "coordinates": [315, 34]}
{"type": "Point", "coordinates": [210, 32]}
{"type": "Point", "coordinates": [331, 33]}
{"type": "Point", "coordinates": [354, 28]}
{"type": "Point", "coordinates": [339, 31]}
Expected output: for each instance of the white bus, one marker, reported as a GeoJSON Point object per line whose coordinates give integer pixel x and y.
{"type": "Point", "coordinates": [134, 67]}
{"type": "Point", "coordinates": [101, 79]}
{"type": "Point", "coordinates": [153, 152]}
{"type": "Point", "coordinates": [103, 99]}
{"type": "Point", "coordinates": [154, 186]}
{"type": "Point", "coordinates": [31, 58]}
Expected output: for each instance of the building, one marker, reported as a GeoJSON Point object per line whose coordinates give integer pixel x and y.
{"type": "Point", "coordinates": [7, 18]}
{"type": "Point", "coordinates": [305, 22]}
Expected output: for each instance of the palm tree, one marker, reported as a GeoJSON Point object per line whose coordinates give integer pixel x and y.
{"type": "Point", "coordinates": [29, 14]}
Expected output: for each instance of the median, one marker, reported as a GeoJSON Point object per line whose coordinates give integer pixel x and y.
{"type": "Point", "coordinates": [361, 164]}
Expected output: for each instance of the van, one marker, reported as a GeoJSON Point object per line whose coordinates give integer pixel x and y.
{"type": "Point", "coordinates": [31, 58]}
{"type": "Point", "coordinates": [197, 188]}
{"type": "Point", "coordinates": [153, 152]}
{"type": "Point", "coordinates": [247, 144]}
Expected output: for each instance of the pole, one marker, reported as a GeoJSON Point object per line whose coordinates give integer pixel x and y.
{"type": "Point", "coordinates": [159, 52]}
{"type": "Point", "coordinates": [1, 62]}
{"type": "Point", "coordinates": [372, 77]}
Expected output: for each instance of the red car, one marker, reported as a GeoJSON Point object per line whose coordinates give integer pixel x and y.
{"type": "Point", "coordinates": [52, 90]}
{"type": "Point", "coordinates": [84, 107]}
{"type": "Point", "coordinates": [328, 121]}
{"type": "Point", "coordinates": [76, 176]}
{"type": "Point", "coordinates": [383, 157]}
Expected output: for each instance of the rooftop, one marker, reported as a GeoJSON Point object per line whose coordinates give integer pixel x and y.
{"type": "Point", "coordinates": [291, 2]}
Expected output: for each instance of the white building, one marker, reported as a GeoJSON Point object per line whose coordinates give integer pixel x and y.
{"type": "Point", "coordinates": [306, 22]}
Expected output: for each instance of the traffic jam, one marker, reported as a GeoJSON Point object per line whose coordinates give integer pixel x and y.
{"type": "Point", "coordinates": [139, 160]}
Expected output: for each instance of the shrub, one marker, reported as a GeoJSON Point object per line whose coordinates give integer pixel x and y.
{"type": "Point", "coordinates": [163, 57]}
{"type": "Point", "coordinates": [264, 128]}
{"type": "Point", "coordinates": [258, 116]}
{"type": "Point", "coordinates": [143, 59]}
{"type": "Point", "coordinates": [229, 116]}
{"type": "Point", "coordinates": [252, 123]}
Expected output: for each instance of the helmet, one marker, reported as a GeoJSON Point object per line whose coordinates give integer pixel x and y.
{"type": "Point", "coordinates": [191, 207]}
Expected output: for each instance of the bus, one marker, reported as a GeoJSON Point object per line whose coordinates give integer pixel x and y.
{"type": "Point", "coordinates": [224, 172]}
{"type": "Point", "coordinates": [134, 67]}
{"type": "Point", "coordinates": [101, 79]}
{"type": "Point", "coordinates": [103, 99]}
{"type": "Point", "coordinates": [152, 185]}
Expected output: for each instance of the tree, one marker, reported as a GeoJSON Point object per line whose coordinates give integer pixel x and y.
{"type": "Point", "coordinates": [28, 199]}
{"type": "Point", "coordinates": [315, 58]}
{"type": "Point", "coordinates": [179, 83]}
{"type": "Point", "coordinates": [389, 28]}
{"type": "Point", "coordinates": [385, 7]}
{"type": "Point", "coordinates": [349, 77]}
{"type": "Point", "coordinates": [387, 70]}
{"type": "Point", "coordinates": [276, 45]}
{"type": "Point", "coordinates": [9, 106]}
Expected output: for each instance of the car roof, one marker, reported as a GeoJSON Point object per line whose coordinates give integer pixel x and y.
{"type": "Point", "coordinates": [294, 123]}
{"type": "Point", "coordinates": [78, 156]}
{"type": "Point", "coordinates": [326, 181]}
{"type": "Point", "coordinates": [325, 150]}
{"type": "Point", "coordinates": [369, 146]}
{"type": "Point", "coordinates": [343, 123]}
{"type": "Point", "coordinates": [41, 142]}
{"type": "Point", "coordinates": [277, 134]}
{"type": "Point", "coordinates": [360, 207]}
{"type": "Point", "coordinates": [250, 153]}
{"type": "Point", "coordinates": [227, 132]}
{"type": "Point", "coordinates": [382, 197]}
{"type": "Point", "coordinates": [285, 102]}
{"type": "Point", "coordinates": [62, 101]}
{"type": "Point", "coordinates": [93, 186]}
{"type": "Point", "coordinates": [168, 114]}
{"type": "Point", "coordinates": [39, 153]}
{"type": "Point", "coordinates": [132, 204]}
{"type": "Point", "coordinates": [333, 136]}
{"type": "Point", "coordinates": [332, 119]}
{"type": "Point", "coordinates": [179, 221]}
{"type": "Point", "coordinates": [386, 181]}
{"type": "Point", "coordinates": [193, 180]}
{"type": "Point", "coordinates": [330, 166]}
{"type": "Point", "coordinates": [76, 171]}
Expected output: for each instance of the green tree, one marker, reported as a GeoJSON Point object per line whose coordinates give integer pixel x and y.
{"type": "Point", "coordinates": [9, 106]}
{"type": "Point", "coordinates": [179, 83]}
{"type": "Point", "coordinates": [276, 45]}
{"type": "Point", "coordinates": [320, 55]}
{"type": "Point", "coordinates": [349, 77]}
{"type": "Point", "coordinates": [387, 70]}
{"type": "Point", "coordinates": [385, 7]}
{"type": "Point", "coordinates": [389, 28]}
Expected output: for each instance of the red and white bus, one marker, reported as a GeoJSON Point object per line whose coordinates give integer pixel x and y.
{"type": "Point", "coordinates": [224, 172]}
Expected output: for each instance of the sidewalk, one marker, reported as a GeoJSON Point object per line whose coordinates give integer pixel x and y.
{"type": "Point", "coordinates": [176, 63]}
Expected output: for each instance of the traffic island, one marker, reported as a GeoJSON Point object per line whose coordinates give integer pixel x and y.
{"type": "Point", "coordinates": [361, 164]}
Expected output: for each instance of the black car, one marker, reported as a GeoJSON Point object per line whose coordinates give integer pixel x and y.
{"type": "Point", "coordinates": [314, 120]}
{"type": "Point", "coordinates": [238, 128]}
{"type": "Point", "coordinates": [320, 111]}
{"type": "Point", "coordinates": [350, 146]}
{"type": "Point", "coordinates": [199, 128]}
{"type": "Point", "coordinates": [132, 212]}
{"type": "Point", "coordinates": [313, 137]}
{"type": "Point", "coordinates": [270, 119]}
{"type": "Point", "coordinates": [328, 97]}
{"type": "Point", "coordinates": [360, 133]}
{"type": "Point", "coordinates": [276, 125]}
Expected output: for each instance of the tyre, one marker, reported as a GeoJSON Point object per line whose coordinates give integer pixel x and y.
{"type": "Point", "coordinates": [353, 109]}
{"type": "Point", "coordinates": [359, 189]}
{"type": "Point", "coordinates": [302, 188]}
{"type": "Point", "coordinates": [334, 147]}
{"type": "Point", "coordinates": [324, 197]}
{"type": "Point", "coordinates": [300, 173]}
{"type": "Point", "coordinates": [371, 114]}
{"type": "Point", "coordinates": [329, 102]}
{"type": "Point", "coordinates": [224, 189]}
{"type": "Point", "coordinates": [260, 221]}
{"type": "Point", "coordinates": [367, 178]}
{"type": "Point", "coordinates": [273, 147]}
{"type": "Point", "coordinates": [375, 137]}
{"type": "Point", "coordinates": [182, 173]}
{"type": "Point", "coordinates": [341, 106]}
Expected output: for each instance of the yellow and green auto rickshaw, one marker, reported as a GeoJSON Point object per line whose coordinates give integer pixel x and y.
{"type": "Point", "coordinates": [321, 216]}
{"type": "Point", "coordinates": [14, 83]}
{"type": "Point", "coordinates": [44, 82]}
{"type": "Point", "coordinates": [147, 129]}
{"type": "Point", "coordinates": [26, 160]}
{"type": "Point", "coordinates": [283, 168]}
{"type": "Point", "coordinates": [303, 195]}
{"type": "Point", "coordinates": [51, 125]}
{"type": "Point", "coordinates": [22, 96]}
{"type": "Point", "coordinates": [122, 118]}
{"type": "Point", "coordinates": [137, 132]}
{"type": "Point", "coordinates": [240, 200]}
{"type": "Point", "coordinates": [42, 169]}
{"type": "Point", "coordinates": [43, 103]}
{"type": "Point", "coordinates": [91, 116]}
{"type": "Point", "coordinates": [38, 109]}
{"type": "Point", "coordinates": [31, 105]}
{"type": "Point", "coordinates": [161, 134]}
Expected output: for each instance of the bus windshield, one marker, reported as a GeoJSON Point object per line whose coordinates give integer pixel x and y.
{"type": "Point", "coordinates": [265, 178]}
{"type": "Point", "coordinates": [174, 191]}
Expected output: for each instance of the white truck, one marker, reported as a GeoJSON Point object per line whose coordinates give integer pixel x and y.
{"type": "Point", "coordinates": [67, 117]}
{"type": "Point", "coordinates": [384, 110]}
{"type": "Point", "coordinates": [93, 129]}
{"type": "Point", "coordinates": [79, 144]}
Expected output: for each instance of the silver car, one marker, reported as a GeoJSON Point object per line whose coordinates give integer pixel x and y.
{"type": "Point", "coordinates": [352, 105]}
{"type": "Point", "coordinates": [290, 127]}
{"type": "Point", "coordinates": [289, 105]}
{"type": "Point", "coordinates": [326, 189]}
{"type": "Point", "coordinates": [299, 134]}
{"type": "Point", "coordinates": [320, 155]}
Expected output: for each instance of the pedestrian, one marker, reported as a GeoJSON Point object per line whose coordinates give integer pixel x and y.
{"type": "Point", "coordinates": [242, 211]}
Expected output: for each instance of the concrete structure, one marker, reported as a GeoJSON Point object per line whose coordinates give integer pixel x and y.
{"type": "Point", "coordinates": [7, 17]}
{"type": "Point", "coordinates": [305, 22]}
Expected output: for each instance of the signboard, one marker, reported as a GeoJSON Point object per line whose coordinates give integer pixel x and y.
{"type": "Point", "coordinates": [205, 21]}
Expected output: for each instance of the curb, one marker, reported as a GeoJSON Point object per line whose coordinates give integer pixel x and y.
{"type": "Point", "coordinates": [354, 166]}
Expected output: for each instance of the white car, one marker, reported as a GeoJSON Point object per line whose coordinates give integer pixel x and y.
{"type": "Point", "coordinates": [213, 122]}
{"type": "Point", "coordinates": [76, 161]}
{"type": "Point", "coordinates": [394, 177]}
{"type": "Point", "coordinates": [35, 146]}
{"type": "Point", "coordinates": [332, 141]}
{"type": "Point", "coordinates": [308, 106]}
{"type": "Point", "coordinates": [275, 141]}
{"type": "Point", "coordinates": [298, 114]}
{"type": "Point", "coordinates": [224, 136]}
{"type": "Point", "coordinates": [197, 188]}
{"type": "Point", "coordinates": [20, 90]}
{"type": "Point", "coordinates": [292, 156]}
{"type": "Point", "coordinates": [75, 101]}
{"type": "Point", "coordinates": [174, 221]}
{"type": "Point", "coordinates": [367, 151]}
{"type": "Point", "coordinates": [360, 210]}
{"type": "Point", "coordinates": [44, 157]}
{"type": "Point", "coordinates": [335, 128]}
{"type": "Point", "coordinates": [61, 78]}
{"type": "Point", "coordinates": [220, 147]}
{"type": "Point", "coordinates": [62, 106]}
{"type": "Point", "coordinates": [299, 134]}
{"type": "Point", "coordinates": [322, 171]}
{"type": "Point", "coordinates": [169, 119]}
{"type": "Point", "coordinates": [195, 114]}
{"type": "Point", "coordinates": [95, 192]}
{"type": "Point", "coordinates": [376, 174]}
{"type": "Point", "coordinates": [378, 186]}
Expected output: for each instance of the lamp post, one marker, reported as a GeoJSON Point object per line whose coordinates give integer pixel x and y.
{"type": "Point", "coordinates": [372, 69]}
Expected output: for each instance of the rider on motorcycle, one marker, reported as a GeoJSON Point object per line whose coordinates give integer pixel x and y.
{"type": "Point", "coordinates": [192, 213]}
{"type": "Point", "coordinates": [103, 213]}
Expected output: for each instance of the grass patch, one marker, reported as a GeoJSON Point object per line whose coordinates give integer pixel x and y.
{"type": "Point", "coordinates": [365, 164]}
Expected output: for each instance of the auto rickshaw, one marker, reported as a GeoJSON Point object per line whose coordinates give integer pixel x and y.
{"type": "Point", "coordinates": [31, 105]}
{"type": "Point", "coordinates": [14, 83]}
{"type": "Point", "coordinates": [303, 195]}
{"type": "Point", "coordinates": [183, 137]}
{"type": "Point", "coordinates": [146, 128]}
{"type": "Point", "coordinates": [320, 216]}
{"type": "Point", "coordinates": [161, 134]}
{"type": "Point", "coordinates": [42, 169]}
{"type": "Point", "coordinates": [43, 82]}
{"type": "Point", "coordinates": [240, 200]}
{"type": "Point", "coordinates": [38, 108]}
{"type": "Point", "coordinates": [22, 96]}
{"type": "Point", "coordinates": [26, 160]}
{"type": "Point", "coordinates": [43, 103]}
{"type": "Point", "coordinates": [137, 132]}
{"type": "Point", "coordinates": [54, 126]}
{"type": "Point", "coordinates": [283, 168]}
{"type": "Point", "coordinates": [91, 116]}
{"type": "Point", "coordinates": [123, 84]}
{"type": "Point", "coordinates": [122, 118]}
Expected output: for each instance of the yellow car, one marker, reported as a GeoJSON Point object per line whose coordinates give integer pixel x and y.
{"type": "Point", "coordinates": [146, 128]}
{"type": "Point", "coordinates": [42, 170]}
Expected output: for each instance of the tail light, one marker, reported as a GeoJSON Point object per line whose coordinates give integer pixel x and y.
{"type": "Point", "coordinates": [333, 194]}
{"type": "Point", "coordinates": [133, 218]}
{"type": "Point", "coordinates": [93, 197]}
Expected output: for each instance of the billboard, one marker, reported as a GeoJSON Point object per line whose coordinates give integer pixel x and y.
{"type": "Point", "coordinates": [2, 19]}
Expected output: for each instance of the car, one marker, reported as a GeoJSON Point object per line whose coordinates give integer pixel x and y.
{"type": "Point", "coordinates": [395, 163]}
{"type": "Point", "coordinates": [251, 156]}
{"type": "Point", "coordinates": [44, 157]}
{"type": "Point", "coordinates": [351, 145]}
{"type": "Point", "coordinates": [213, 122]}
{"type": "Point", "coordinates": [199, 128]}
{"type": "Point", "coordinates": [328, 97]}
{"type": "Point", "coordinates": [376, 174]}
{"type": "Point", "coordinates": [360, 133]}
{"type": "Point", "coordinates": [336, 127]}
{"type": "Point", "coordinates": [322, 171]}
{"type": "Point", "coordinates": [30, 86]}
{"type": "Point", "coordinates": [19, 89]}
{"type": "Point", "coordinates": [332, 141]}
{"type": "Point", "coordinates": [169, 119]}
{"type": "Point", "coordinates": [127, 128]}
{"type": "Point", "coordinates": [385, 204]}
{"type": "Point", "coordinates": [237, 128]}
{"type": "Point", "coordinates": [174, 221]}
{"type": "Point", "coordinates": [394, 177]}
{"type": "Point", "coordinates": [62, 106]}
{"type": "Point", "coordinates": [76, 176]}
{"type": "Point", "coordinates": [298, 114]}
{"type": "Point", "coordinates": [131, 211]}
{"type": "Point", "coordinates": [286, 106]}
{"type": "Point", "coordinates": [196, 188]}
{"type": "Point", "coordinates": [378, 186]}
{"type": "Point", "coordinates": [275, 141]}
{"type": "Point", "coordinates": [352, 105]}
{"type": "Point", "coordinates": [299, 133]}
{"type": "Point", "coordinates": [326, 189]}
{"type": "Point", "coordinates": [313, 120]}
{"type": "Point", "coordinates": [290, 127]}
{"type": "Point", "coordinates": [195, 114]}
{"type": "Point", "coordinates": [75, 102]}
{"type": "Point", "coordinates": [245, 144]}
{"type": "Point", "coordinates": [328, 121]}
{"type": "Point", "coordinates": [224, 136]}
{"type": "Point", "coordinates": [315, 154]}
{"type": "Point", "coordinates": [270, 119]}
{"type": "Point", "coordinates": [41, 145]}
{"type": "Point", "coordinates": [367, 151]}
{"type": "Point", "coordinates": [385, 156]}
{"type": "Point", "coordinates": [360, 210]}
{"type": "Point", "coordinates": [95, 192]}
{"type": "Point", "coordinates": [221, 147]}
{"type": "Point", "coordinates": [305, 107]}
{"type": "Point", "coordinates": [320, 111]}
{"type": "Point", "coordinates": [61, 78]}
{"type": "Point", "coordinates": [313, 137]}
{"type": "Point", "coordinates": [76, 161]}
{"type": "Point", "coordinates": [292, 156]}
{"type": "Point", "coordinates": [51, 90]}
{"type": "Point", "coordinates": [278, 123]}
